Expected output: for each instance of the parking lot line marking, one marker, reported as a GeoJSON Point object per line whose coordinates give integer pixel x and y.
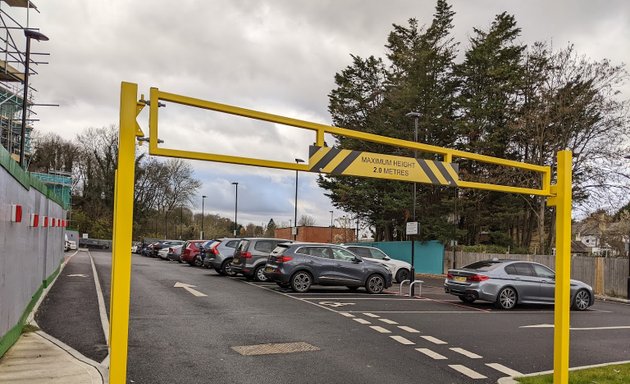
{"type": "Point", "coordinates": [402, 340]}
{"type": "Point", "coordinates": [388, 321]}
{"type": "Point", "coordinates": [349, 297]}
{"type": "Point", "coordinates": [346, 314]}
{"type": "Point", "coordinates": [408, 329]}
{"type": "Point", "coordinates": [361, 321]}
{"type": "Point", "coordinates": [503, 369]}
{"type": "Point", "coordinates": [370, 315]}
{"type": "Point", "coordinates": [465, 353]}
{"type": "Point", "coordinates": [467, 371]}
{"type": "Point", "coordinates": [431, 354]}
{"type": "Point", "coordinates": [434, 340]}
{"type": "Point", "coordinates": [380, 329]}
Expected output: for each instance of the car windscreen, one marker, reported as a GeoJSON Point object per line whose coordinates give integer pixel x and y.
{"type": "Point", "coordinates": [485, 265]}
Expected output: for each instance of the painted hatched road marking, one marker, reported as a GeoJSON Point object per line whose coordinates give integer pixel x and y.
{"type": "Point", "coordinates": [503, 369]}
{"type": "Point", "coordinates": [467, 371]}
{"type": "Point", "coordinates": [380, 329]}
{"type": "Point", "coordinates": [269, 349]}
{"type": "Point", "coordinates": [388, 321]}
{"type": "Point", "coordinates": [361, 321]}
{"type": "Point", "coordinates": [408, 329]}
{"type": "Point", "coordinates": [346, 314]}
{"type": "Point", "coordinates": [465, 353]}
{"type": "Point", "coordinates": [431, 354]}
{"type": "Point", "coordinates": [434, 340]}
{"type": "Point", "coordinates": [370, 315]}
{"type": "Point", "coordinates": [402, 340]}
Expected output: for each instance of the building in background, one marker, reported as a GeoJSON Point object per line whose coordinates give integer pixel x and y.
{"type": "Point", "coordinates": [318, 234]}
{"type": "Point", "coordinates": [14, 18]}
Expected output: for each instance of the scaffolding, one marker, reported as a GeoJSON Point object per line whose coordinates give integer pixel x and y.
{"type": "Point", "coordinates": [59, 182]}
{"type": "Point", "coordinates": [14, 19]}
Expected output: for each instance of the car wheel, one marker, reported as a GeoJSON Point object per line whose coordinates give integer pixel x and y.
{"type": "Point", "coordinates": [260, 275]}
{"type": "Point", "coordinates": [582, 300]}
{"type": "Point", "coordinates": [375, 284]}
{"type": "Point", "coordinates": [402, 274]}
{"type": "Point", "coordinates": [507, 298]}
{"type": "Point", "coordinates": [301, 281]}
{"type": "Point", "coordinates": [198, 262]}
{"type": "Point", "coordinates": [226, 268]}
{"type": "Point", "coordinates": [468, 299]}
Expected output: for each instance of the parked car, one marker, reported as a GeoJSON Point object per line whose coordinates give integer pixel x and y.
{"type": "Point", "coordinates": [400, 269]}
{"type": "Point", "coordinates": [135, 246]}
{"type": "Point", "coordinates": [508, 283]}
{"type": "Point", "coordinates": [301, 265]}
{"type": "Point", "coordinates": [190, 250]}
{"type": "Point", "coordinates": [174, 252]}
{"type": "Point", "coordinates": [204, 251]}
{"type": "Point", "coordinates": [251, 256]}
{"type": "Point", "coordinates": [222, 255]}
{"type": "Point", "coordinates": [153, 249]}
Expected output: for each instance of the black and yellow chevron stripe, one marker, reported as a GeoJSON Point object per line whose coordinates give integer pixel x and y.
{"type": "Point", "coordinates": [336, 161]}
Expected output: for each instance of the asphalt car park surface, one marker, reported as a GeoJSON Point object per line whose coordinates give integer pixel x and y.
{"type": "Point", "coordinates": [179, 337]}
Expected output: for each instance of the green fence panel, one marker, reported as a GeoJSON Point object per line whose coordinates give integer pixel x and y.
{"type": "Point", "coordinates": [428, 255]}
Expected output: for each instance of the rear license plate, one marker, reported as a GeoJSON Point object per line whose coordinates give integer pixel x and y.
{"type": "Point", "coordinates": [460, 278]}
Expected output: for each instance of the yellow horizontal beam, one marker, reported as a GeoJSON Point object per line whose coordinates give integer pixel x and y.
{"type": "Point", "coordinates": [320, 129]}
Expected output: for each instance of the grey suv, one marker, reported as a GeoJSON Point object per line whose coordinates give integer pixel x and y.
{"type": "Point", "coordinates": [301, 265]}
{"type": "Point", "coordinates": [220, 257]}
{"type": "Point", "coordinates": [251, 256]}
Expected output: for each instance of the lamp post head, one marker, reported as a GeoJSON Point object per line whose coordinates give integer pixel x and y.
{"type": "Point", "coordinates": [32, 34]}
{"type": "Point", "coordinates": [204, 196]}
{"type": "Point", "coordinates": [235, 183]}
{"type": "Point", "coordinates": [299, 161]}
{"type": "Point", "coordinates": [412, 114]}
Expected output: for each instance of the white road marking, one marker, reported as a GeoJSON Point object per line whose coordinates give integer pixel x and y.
{"type": "Point", "coordinates": [388, 321]}
{"type": "Point", "coordinates": [402, 340]}
{"type": "Point", "coordinates": [370, 314]}
{"type": "Point", "coordinates": [434, 340]}
{"type": "Point", "coordinates": [538, 326]}
{"type": "Point", "coordinates": [189, 288]}
{"type": "Point", "coordinates": [77, 275]}
{"type": "Point", "coordinates": [346, 314]}
{"type": "Point", "coordinates": [361, 321]}
{"type": "Point", "coordinates": [503, 369]}
{"type": "Point", "coordinates": [465, 353]}
{"type": "Point", "coordinates": [380, 329]}
{"type": "Point", "coordinates": [431, 354]}
{"type": "Point", "coordinates": [102, 311]}
{"type": "Point", "coordinates": [467, 371]}
{"type": "Point", "coordinates": [334, 304]}
{"type": "Point", "coordinates": [408, 329]}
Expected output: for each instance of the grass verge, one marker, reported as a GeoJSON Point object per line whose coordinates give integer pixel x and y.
{"type": "Point", "coordinates": [611, 374]}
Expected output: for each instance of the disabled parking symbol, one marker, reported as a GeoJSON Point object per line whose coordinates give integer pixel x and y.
{"type": "Point", "coordinates": [334, 304]}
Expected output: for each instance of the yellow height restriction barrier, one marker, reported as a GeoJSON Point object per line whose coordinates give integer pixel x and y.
{"type": "Point", "coordinates": [326, 160]}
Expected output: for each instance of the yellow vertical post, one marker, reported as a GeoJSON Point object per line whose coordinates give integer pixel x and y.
{"type": "Point", "coordinates": [563, 269]}
{"type": "Point", "coordinates": [123, 222]}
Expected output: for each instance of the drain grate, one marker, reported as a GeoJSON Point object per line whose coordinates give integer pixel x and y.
{"type": "Point", "coordinates": [270, 349]}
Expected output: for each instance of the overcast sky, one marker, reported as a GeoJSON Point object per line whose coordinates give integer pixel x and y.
{"type": "Point", "coordinates": [275, 56]}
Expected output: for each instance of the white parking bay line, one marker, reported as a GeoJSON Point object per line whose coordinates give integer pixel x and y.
{"type": "Point", "coordinates": [402, 340]}
{"type": "Point", "coordinates": [408, 329]}
{"type": "Point", "coordinates": [466, 353]}
{"type": "Point", "coordinates": [434, 340]}
{"type": "Point", "coordinates": [371, 315]}
{"type": "Point", "coordinates": [380, 329]}
{"type": "Point", "coordinates": [388, 321]}
{"type": "Point", "coordinates": [346, 314]}
{"type": "Point", "coordinates": [431, 354]}
{"type": "Point", "coordinates": [467, 371]}
{"type": "Point", "coordinates": [504, 369]}
{"type": "Point", "coordinates": [361, 321]}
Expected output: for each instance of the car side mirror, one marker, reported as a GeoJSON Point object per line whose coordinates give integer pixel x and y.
{"type": "Point", "coordinates": [387, 258]}
{"type": "Point", "coordinates": [357, 260]}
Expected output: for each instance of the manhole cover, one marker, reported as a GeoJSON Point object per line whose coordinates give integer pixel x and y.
{"type": "Point", "coordinates": [270, 349]}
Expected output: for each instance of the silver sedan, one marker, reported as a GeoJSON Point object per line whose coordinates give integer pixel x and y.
{"type": "Point", "coordinates": [508, 282]}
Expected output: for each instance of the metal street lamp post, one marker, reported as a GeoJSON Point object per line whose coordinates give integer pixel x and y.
{"type": "Point", "coordinates": [628, 282]}
{"type": "Point", "coordinates": [235, 206]}
{"type": "Point", "coordinates": [203, 198]}
{"type": "Point", "coordinates": [30, 34]}
{"type": "Point", "coordinates": [412, 273]}
{"type": "Point", "coordinates": [295, 229]}
{"type": "Point", "coordinates": [331, 226]}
